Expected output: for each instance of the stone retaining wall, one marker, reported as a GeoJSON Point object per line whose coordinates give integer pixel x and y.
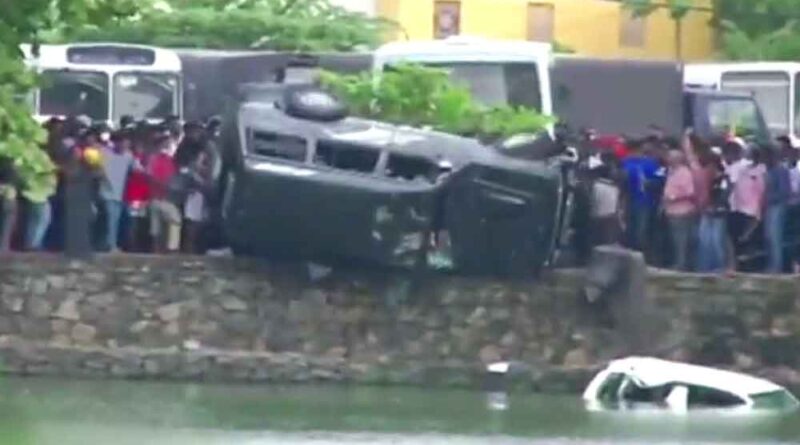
{"type": "Point", "coordinates": [231, 319]}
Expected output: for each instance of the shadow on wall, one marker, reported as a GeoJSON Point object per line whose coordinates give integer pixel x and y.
{"type": "Point", "coordinates": [615, 298]}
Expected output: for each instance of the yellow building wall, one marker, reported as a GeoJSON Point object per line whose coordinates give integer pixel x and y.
{"type": "Point", "coordinates": [590, 27]}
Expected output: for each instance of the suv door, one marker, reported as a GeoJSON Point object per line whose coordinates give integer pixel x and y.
{"type": "Point", "coordinates": [502, 221]}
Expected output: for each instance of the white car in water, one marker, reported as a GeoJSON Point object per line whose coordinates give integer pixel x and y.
{"type": "Point", "coordinates": [654, 383]}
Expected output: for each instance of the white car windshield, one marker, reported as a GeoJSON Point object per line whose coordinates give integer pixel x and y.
{"type": "Point", "coordinates": [774, 400]}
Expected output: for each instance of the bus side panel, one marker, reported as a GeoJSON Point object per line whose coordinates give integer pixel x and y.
{"type": "Point", "coordinates": [211, 80]}
{"type": "Point", "coordinates": [618, 96]}
{"type": "Point", "coordinates": [346, 63]}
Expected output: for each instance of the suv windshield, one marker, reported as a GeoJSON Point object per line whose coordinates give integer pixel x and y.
{"type": "Point", "coordinates": [497, 84]}
{"type": "Point", "coordinates": [145, 95]}
{"type": "Point", "coordinates": [741, 116]}
{"type": "Point", "coordinates": [73, 93]}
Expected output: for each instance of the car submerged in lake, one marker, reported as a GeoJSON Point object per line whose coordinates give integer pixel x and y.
{"type": "Point", "coordinates": [641, 382]}
{"type": "Point", "coordinates": [303, 180]}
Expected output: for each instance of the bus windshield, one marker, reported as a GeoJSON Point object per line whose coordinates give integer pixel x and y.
{"type": "Point", "coordinates": [771, 91]}
{"type": "Point", "coordinates": [146, 95]}
{"type": "Point", "coordinates": [741, 116]}
{"type": "Point", "coordinates": [74, 93]}
{"type": "Point", "coordinates": [498, 84]}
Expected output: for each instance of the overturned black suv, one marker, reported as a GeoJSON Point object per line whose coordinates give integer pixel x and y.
{"type": "Point", "coordinates": [305, 181]}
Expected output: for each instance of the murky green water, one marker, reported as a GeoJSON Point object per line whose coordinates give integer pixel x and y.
{"type": "Point", "coordinates": [67, 412]}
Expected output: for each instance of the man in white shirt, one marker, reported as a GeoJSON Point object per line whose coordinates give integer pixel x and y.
{"type": "Point", "coordinates": [605, 207]}
{"type": "Point", "coordinates": [735, 161]}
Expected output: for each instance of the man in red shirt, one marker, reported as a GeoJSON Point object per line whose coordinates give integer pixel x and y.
{"type": "Point", "coordinates": [165, 214]}
{"type": "Point", "coordinates": [614, 144]}
{"type": "Point", "coordinates": [137, 195]}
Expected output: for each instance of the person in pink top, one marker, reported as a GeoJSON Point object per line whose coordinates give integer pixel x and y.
{"type": "Point", "coordinates": [748, 196]}
{"type": "Point", "coordinates": [711, 185]}
{"type": "Point", "coordinates": [680, 207]}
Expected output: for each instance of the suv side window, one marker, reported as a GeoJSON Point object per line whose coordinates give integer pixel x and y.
{"type": "Point", "coordinates": [701, 397]}
{"type": "Point", "coordinates": [278, 146]}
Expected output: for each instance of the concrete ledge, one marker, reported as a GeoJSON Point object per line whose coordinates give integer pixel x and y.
{"type": "Point", "coordinates": [229, 319]}
{"type": "Point", "coordinates": [24, 358]}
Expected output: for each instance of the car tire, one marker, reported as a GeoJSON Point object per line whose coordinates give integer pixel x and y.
{"type": "Point", "coordinates": [313, 104]}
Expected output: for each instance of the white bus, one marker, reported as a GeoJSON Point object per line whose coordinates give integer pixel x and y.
{"type": "Point", "coordinates": [773, 85]}
{"type": "Point", "coordinates": [498, 72]}
{"type": "Point", "coordinates": [106, 81]}
{"type": "Point", "coordinates": [609, 96]}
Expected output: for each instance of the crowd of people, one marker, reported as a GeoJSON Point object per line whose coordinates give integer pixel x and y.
{"type": "Point", "coordinates": [144, 187]}
{"type": "Point", "coordinates": [693, 206]}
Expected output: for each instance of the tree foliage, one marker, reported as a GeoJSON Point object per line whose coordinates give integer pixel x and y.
{"type": "Point", "coordinates": [301, 25]}
{"type": "Point", "coordinates": [20, 134]}
{"type": "Point", "coordinates": [21, 22]}
{"type": "Point", "coordinates": [426, 97]}
{"type": "Point", "coordinates": [678, 9]}
{"type": "Point", "coordinates": [759, 17]}
{"type": "Point", "coordinates": [780, 44]}
{"type": "Point", "coordinates": [308, 25]}
{"type": "Point", "coordinates": [759, 30]}
{"type": "Point", "coordinates": [747, 29]}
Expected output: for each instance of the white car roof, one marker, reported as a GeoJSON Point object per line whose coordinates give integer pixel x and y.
{"type": "Point", "coordinates": [463, 48]}
{"type": "Point", "coordinates": [652, 372]}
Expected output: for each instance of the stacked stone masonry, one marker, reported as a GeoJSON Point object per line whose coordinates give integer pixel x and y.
{"type": "Point", "coordinates": [223, 319]}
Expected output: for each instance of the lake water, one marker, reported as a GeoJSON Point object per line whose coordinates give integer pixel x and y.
{"type": "Point", "coordinates": [67, 412]}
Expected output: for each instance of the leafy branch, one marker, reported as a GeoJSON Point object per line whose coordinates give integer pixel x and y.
{"type": "Point", "coordinates": [780, 44]}
{"type": "Point", "coordinates": [287, 25]}
{"type": "Point", "coordinates": [426, 97]}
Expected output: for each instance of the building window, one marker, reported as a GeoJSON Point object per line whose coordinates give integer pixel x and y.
{"type": "Point", "coordinates": [447, 19]}
{"type": "Point", "coordinates": [541, 21]}
{"type": "Point", "coordinates": [632, 29]}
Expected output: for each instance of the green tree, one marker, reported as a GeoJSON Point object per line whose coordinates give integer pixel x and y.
{"type": "Point", "coordinates": [678, 9]}
{"type": "Point", "coordinates": [300, 25]}
{"type": "Point", "coordinates": [780, 44]}
{"type": "Point", "coordinates": [759, 30]}
{"type": "Point", "coordinates": [307, 25]}
{"type": "Point", "coordinates": [756, 18]}
{"type": "Point", "coordinates": [746, 29]}
{"type": "Point", "coordinates": [426, 97]}
{"type": "Point", "coordinates": [24, 22]}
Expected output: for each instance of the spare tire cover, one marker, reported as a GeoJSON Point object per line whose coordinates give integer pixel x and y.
{"type": "Point", "coordinates": [313, 103]}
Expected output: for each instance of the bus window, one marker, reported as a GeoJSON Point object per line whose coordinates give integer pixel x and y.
{"type": "Point", "coordinates": [739, 115]}
{"type": "Point", "coordinates": [74, 93]}
{"type": "Point", "coordinates": [145, 95]}
{"type": "Point", "coordinates": [771, 90]}
{"type": "Point", "coordinates": [797, 105]}
{"type": "Point", "coordinates": [498, 84]}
